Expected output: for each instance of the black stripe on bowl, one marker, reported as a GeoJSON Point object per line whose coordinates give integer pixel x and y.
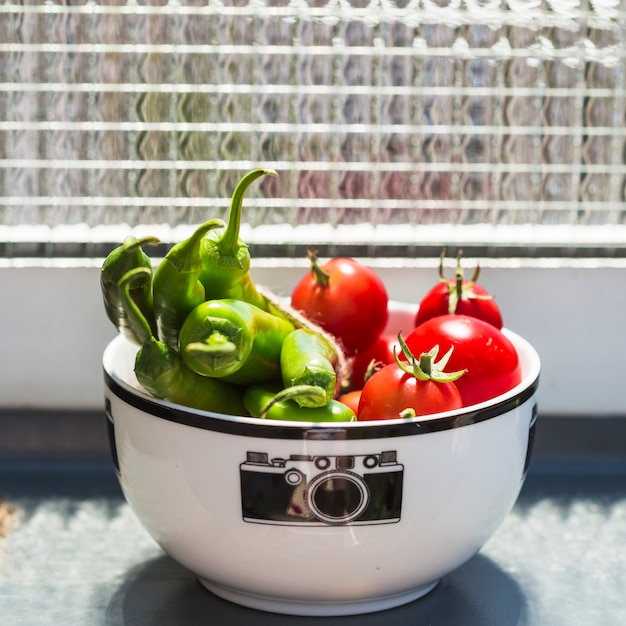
{"type": "Point", "coordinates": [252, 427]}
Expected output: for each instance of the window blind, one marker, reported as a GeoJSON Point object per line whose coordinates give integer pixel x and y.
{"type": "Point", "coordinates": [395, 126]}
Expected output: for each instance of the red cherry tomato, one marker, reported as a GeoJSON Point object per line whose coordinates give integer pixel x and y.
{"type": "Point", "coordinates": [381, 352]}
{"type": "Point", "coordinates": [489, 357]}
{"type": "Point", "coordinates": [392, 393]}
{"type": "Point", "coordinates": [460, 296]}
{"type": "Point", "coordinates": [345, 298]}
{"type": "Point", "coordinates": [351, 399]}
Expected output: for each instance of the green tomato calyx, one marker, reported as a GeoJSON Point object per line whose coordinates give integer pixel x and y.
{"type": "Point", "coordinates": [458, 287]}
{"type": "Point", "coordinates": [426, 367]}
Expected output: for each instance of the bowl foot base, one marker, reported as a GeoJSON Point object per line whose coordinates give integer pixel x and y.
{"type": "Point", "coordinates": [313, 608]}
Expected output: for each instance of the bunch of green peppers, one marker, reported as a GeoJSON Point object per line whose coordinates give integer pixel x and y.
{"type": "Point", "coordinates": [210, 339]}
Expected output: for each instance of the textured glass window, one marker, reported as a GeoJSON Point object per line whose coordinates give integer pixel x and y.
{"type": "Point", "coordinates": [393, 124]}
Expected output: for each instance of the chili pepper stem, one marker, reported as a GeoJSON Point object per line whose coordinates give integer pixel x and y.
{"type": "Point", "coordinates": [184, 256]}
{"type": "Point", "coordinates": [148, 240]}
{"type": "Point", "coordinates": [216, 344]}
{"type": "Point", "coordinates": [137, 318]}
{"type": "Point", "coordinates": [228, 243]}
{"type": "Point", "coordinates": [292, 393]}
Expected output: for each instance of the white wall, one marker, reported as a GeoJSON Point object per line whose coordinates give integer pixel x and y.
{"type": "Point", "coordinates": [53, 327]}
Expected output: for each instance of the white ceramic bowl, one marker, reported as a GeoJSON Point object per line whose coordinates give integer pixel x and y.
{"type": "Point", "coordinates": [308, 519]}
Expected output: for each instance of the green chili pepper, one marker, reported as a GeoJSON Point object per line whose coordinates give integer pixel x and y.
{"type": "Point", "coordinates": [119, 261]}
{"type": "Point", "coordinates": [233, 340]}
{"type": "Point", "coordinates": [308, 358]}
{"type": "Point", "coordinates": [226, 258]}
{"type": "Point", "coordinates": [160, 370]}
{"type": "Point", "coordinates": [283, 405]}
{"type": "Point", "coordinates": [176, 287]}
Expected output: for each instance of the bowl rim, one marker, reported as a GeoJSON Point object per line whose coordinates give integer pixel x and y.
{"type": "Point", "coordinates": [254, 427]}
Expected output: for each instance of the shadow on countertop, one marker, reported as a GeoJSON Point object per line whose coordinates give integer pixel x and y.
{"type": "Point", "coordinates": [162, 592]}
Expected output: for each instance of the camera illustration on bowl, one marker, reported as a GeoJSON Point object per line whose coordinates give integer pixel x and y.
{"type": "Point", "coordinates": [321, 490]}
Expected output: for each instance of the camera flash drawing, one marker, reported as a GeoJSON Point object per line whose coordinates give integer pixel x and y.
{"type": "Point", "coordinates": [321, 490]}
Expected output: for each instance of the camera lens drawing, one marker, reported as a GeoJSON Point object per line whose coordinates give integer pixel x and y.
{"type": "Point", "coordinates": [321, 490]}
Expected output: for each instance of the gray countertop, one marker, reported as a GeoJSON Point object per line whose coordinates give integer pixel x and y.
{"type": "Point", "coordinates": [77, 556]}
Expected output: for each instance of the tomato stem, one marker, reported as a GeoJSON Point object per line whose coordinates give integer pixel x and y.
{"type": "Point", "coordinates": [372, 367]}
{"type": "Point", "coordinates": [458, 280]}
{"type": "Point", "coordinates": [426, 361]}
{"type": "Point", "coordinates": [322, 277]}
